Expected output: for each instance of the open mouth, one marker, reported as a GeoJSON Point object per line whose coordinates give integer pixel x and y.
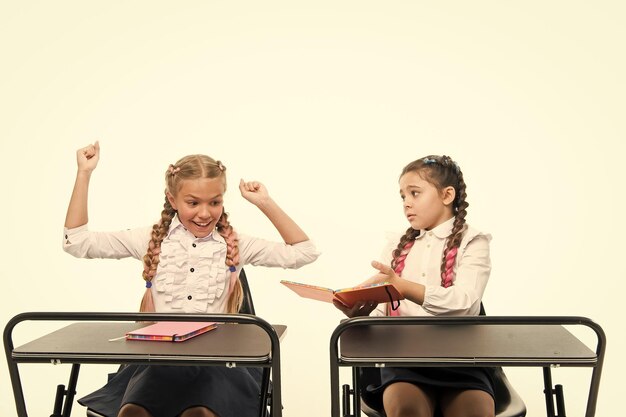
{"type": "Point", "coordinates": [202, 225]}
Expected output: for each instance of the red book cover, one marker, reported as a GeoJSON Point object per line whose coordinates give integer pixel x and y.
{"type": "Point", "coordinates": [382, 293]}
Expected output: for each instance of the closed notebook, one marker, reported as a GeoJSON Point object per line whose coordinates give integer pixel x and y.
{"type": "Point", "coordinates": [383, 293]}
{"type": "Point", "coordinates": [171, 331]}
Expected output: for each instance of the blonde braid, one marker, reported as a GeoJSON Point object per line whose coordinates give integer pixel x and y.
{"type": "Point", "coordinates": [151, 258]}
{"type": "Point", "coordinates": [235, 299]}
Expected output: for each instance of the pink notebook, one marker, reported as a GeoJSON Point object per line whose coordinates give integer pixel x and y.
{"type": "Point", "coordinates": [382, 293]}
{"type": "Point", "coordinates": [171, 331]}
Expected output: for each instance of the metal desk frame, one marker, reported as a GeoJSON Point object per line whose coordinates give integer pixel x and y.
{"type": "Point", "coordinates": [512, 327]}
{"type": "Point", "coordinates": [270, 362]}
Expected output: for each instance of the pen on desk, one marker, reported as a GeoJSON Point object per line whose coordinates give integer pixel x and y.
{"type": "Point", "coordinates": [117, 338]}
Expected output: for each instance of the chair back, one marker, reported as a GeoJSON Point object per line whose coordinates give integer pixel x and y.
{"type": "Point", "coordinates": [247, 307]}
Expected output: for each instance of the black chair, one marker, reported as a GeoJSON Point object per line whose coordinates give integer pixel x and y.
{"type": "Point", "coordinates": [508, 402]}
{"type": "Point", "coordinates": [247, 307]}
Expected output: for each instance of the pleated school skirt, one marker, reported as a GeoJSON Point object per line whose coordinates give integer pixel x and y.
{"type": "Point", "coordinates": [166, 391]}
{"type": "Point", "coordinates": [434, 378]}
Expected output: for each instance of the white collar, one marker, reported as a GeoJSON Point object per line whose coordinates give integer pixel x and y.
{"type": "Point", "coordinates": [442, 230]}
{"type": "Point", "coordinates": [177, 225]}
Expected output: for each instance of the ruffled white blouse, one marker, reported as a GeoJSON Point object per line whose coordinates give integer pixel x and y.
{"type": "Point", "coordinates": [192, 276]}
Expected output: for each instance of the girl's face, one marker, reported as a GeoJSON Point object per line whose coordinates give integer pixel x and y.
{"type": "Point", "coordinates": [199, 204]}
{"type": "Point", "coordinates": [425, 207]}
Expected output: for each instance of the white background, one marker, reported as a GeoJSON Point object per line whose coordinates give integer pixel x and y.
{"type": "Point", "coordinates": [325, 102]}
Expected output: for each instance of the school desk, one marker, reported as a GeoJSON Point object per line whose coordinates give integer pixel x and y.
{"type": "Point", "coordinates": [240, 340]}
{"type": "Point", "coordinates": [466, 341]}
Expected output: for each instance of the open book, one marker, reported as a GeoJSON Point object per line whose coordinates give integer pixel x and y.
{"type": "Point", "coordinates": [171, 331]}
{"type": "Point", "coordinates": [382, 293]}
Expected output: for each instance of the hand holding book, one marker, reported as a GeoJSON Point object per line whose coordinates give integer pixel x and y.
{"type": "Point", "coordinates": [359, 309]}
{"type": "Point", "coordinates": [348, 297]}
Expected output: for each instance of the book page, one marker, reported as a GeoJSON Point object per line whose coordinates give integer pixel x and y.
{"type": "Point", "coordinates": [310, 291]}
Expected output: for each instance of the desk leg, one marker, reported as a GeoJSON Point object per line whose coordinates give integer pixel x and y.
{"type": "Point", "coordinates": [334, 388]}
{"type": "Point", "coordinates": [593, 391]}
{"type": "Point", "coordinates": [16, 382]}
{"type": "Point", "coordinates": [277, 401]}
{"type": "Point", "coordinates": [265, 386]}
{"type": "Point", "coordinates": [547, 390]}
{"type": "Point", "coordinates": [71, 390]}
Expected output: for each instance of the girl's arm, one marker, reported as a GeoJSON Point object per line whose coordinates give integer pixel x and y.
{"type": "Point", "coordinates": [472, 274]}
{"type": "Point", "coordinates": [87, 160]}
{"type": "Point", "coordinates": [257, 194]}
{"type": "Point", "coordinates": [411, 290]}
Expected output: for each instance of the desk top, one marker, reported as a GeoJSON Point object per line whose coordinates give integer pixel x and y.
{"type": "Point", "coordinates": [434, 345]}
{"type": "Point", "coordinates": [89, 342]}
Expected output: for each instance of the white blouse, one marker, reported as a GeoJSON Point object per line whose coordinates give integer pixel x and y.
{"type": "Point", "coordinates": [192, 276]}
{"type": "Point", "coordinates": [423, 265]}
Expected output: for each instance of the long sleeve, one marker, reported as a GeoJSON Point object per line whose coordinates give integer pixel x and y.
{"type": "Point", "coordinates": [83, 243]}
{"type": "Point", "coordinates": [471, 277]}
{"type": "Point", "coordinates": [261, 252]}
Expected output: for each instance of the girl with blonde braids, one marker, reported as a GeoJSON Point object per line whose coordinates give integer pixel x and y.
{"type": "Point", "coordinates": [441, 266]}
{"type": "Point", "coordinates": [191, 260]}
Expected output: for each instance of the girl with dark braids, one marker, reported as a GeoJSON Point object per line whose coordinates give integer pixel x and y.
{"type": "Point", "coordinates": [191, 259]}
{"type": "Point", "coordinates": [441, 266]}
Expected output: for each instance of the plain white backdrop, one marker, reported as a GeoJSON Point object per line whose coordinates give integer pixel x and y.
{"type": "Point", "coordinates": [324, 102]}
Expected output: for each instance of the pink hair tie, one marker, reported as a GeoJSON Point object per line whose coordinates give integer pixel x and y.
{"type": "Point", "coordinates": [173, 169]}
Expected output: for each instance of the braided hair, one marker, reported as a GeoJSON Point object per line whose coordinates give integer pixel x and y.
{"type": "Point", "coordinates": [441, 171]}
{"type": "Point", "coordinates": [191, 167]}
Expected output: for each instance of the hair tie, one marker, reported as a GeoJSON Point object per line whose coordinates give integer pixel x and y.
{"type": "Point", "coordinates": [173, 169]}
{"type": "Point", "coordinates": [232, 268]}
{"type": "Point", "coordinates": [221, 166]}
{"type": "Point", "coordinates": [148, 284]}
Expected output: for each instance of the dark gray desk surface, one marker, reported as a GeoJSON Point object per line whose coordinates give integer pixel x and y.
{"type": "Point", "coordinates": [502, 344]}
{"type": "Point", "coordinates": [89, 341]}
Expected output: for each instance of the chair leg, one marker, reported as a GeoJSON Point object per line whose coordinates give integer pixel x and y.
{"type": "Point", "coordinates": [553, 394]}
{"type": "Point", "coordinates": [560, 400]}
{"type": "Point", "coordinates": [356, 391]}
{"type": "Point", "coordinates": [346, 392]}
{"type": "Point", "coordinates": [58, 401]}
{"type": "Point", "coordinates": [65, 397]}
{"type": "Point", "coordinates": [353, 394]}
